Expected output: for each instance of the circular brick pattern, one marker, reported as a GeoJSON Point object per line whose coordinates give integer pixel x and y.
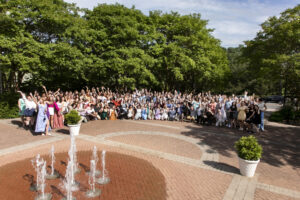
{"type": "Point", "coordinates": [161, 143]}
{"type": "Point", "coordinates": [131, 178]}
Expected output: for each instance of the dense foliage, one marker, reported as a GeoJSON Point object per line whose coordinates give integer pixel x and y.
{"type": "Point", "coordinates": [288, 114]}
{"type": "Point", "coordinates": [72, 118]}
{"type": "Point", "coordinates": [274, 56]}
{"type": "Point", "coordinates": [57, 44]}
{"type": "Point", "coordinates": [248, 148]}
{"type": "Point", "coordinates": [8, 106]}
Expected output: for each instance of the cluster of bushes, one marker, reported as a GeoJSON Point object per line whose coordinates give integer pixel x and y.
{"type": "Point", "coordinates": [286, 114]}
{"type": "Point", "coordinates": [9, 106]}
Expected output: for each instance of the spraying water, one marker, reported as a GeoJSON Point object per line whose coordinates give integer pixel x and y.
{"type": "Point", "coordinates": [68, 181]}
{"type": "Point", "coordinates": [37, 164]}
{"type": "Point", "coordinates": [52, 160]}
{"type": "Point", "coordinates": [104, 179]}
{"type": "Point", "coordinates": [96, 159]}
{"type": "Point", "coordinates": [93, 192]}
{"type": "Point", "coordinates": [72, 170]}
{"type": "Point", "coordinates": [53, 174]}
{"type": "Point", "coordinates": [74, 152]}
{"type": "Point", "coordinates": [43, 172]}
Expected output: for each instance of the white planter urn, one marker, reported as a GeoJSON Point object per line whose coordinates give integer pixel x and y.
{"type": "Point", "coordinates": [74, 129]}
{"type": "Point", "coordinates": [248, 167]}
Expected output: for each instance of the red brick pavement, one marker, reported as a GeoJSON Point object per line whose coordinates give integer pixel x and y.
{"type": "Point", "coordinates": [12, 136]}
{"type": "Point", "coordinates": [161, 143]}
{"type": "Point", "coordinates": [265, 195]}
{"type": "Point", "coordinates": [182, 181]}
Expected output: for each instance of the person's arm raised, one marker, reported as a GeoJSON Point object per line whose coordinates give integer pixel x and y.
{"type": "Point", "coordinates": [57, 92]}
{"type": "Point", "coordinates": [45, 90]}
{"type": "Point", "coordinates": [33, 98]}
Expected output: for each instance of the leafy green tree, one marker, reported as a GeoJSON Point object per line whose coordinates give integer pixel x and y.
{"type": "Point", "coordinates": [274, 53]}
{"type": "Point", "coordinates": [188, 57]}
{"type": "Point", "coordinates": [119, 35]}
{"type": "Point", "coordinates": [31, 34]}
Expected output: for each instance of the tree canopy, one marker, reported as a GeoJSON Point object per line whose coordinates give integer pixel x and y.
{"type": "Point", "coordinates": [55, 43]}
{"type": "Point", "coordinates": [274, 54]}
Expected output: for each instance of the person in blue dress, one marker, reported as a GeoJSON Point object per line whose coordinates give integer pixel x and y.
{"type": "Point", "coordinates": [42, 120]}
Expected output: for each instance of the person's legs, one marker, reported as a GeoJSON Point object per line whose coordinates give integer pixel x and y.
{"type": "Point", "coordinates": [262, 116]}
{"type": "Point", "coordinates": [47, 127]}
{"type": "Point", "coordinates": [241, 125]}
{"type": "Point", "coordinates": [23, 120]}
{"type": "Point", "coordinates": [51, 121]}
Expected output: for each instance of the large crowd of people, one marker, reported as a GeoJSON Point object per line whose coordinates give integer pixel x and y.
{"type": "Point", "coordinates": [45, 111]}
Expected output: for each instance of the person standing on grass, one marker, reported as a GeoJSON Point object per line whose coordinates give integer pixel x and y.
{"type": "Point", "coordinates": [262, 107]}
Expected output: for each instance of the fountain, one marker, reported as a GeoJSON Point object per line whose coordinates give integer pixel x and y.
{"type": "Point", "coordinates": [37, 163]}
{"type": "Point", "coordinates": [96, 159]}
{"type": "Point", "coordinates": [104, 179]}
{"type": "Point", "coordinates": [74, 151]}
{"type": "Point", "coordinates": [43, 172]}
{"type": "Point", "coordinates": [75, 185]}
{"type": "Point", "coordinates": [93, 192]}
{"type": "Point", "coordinates": [53, 174]}
{"type": "Point", "coordinates": [68, 182]}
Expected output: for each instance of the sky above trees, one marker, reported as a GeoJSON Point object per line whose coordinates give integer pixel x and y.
{"type": "Point", "coordinates": [234, 21]}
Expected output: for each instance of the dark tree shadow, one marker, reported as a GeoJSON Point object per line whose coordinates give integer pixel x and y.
{"type": "Point", "coordinates": [222, 166]}
{"type": "Point", "coordinates": [280, 144]}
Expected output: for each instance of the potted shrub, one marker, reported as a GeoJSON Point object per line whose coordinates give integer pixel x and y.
{"type": "Point", "coordinates": [249, 152]}
{"type": "Point", "coordinates": [72, 119]}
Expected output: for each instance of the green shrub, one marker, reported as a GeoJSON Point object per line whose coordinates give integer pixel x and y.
{"type": "Point", "coordinates": [72, 117]}
{"type": "Point", "coordinates": [248, 148]}
{"type": "Point", "coordinates": [288, 113]}
{"type": "Point", "coordinates": [9, 106]}
{"type": "Point", "coordinates": [276, 117]}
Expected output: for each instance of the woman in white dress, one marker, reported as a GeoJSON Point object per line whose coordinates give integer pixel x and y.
{"type": "Point", "coordinates": [130, 112]}
{"type": "Point", "coordinates": [138, 114]}
{"type": "Point", "coordinates": [165, 113]}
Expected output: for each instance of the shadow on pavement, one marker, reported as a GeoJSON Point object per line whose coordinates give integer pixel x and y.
{"type": "Point", "coordinates": [280, 144]}
{"type": "Point", "coordinates": [222, 166]}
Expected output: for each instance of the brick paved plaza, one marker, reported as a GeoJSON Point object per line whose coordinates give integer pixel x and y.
{"type": "Point", "coordinates": [186, 161]}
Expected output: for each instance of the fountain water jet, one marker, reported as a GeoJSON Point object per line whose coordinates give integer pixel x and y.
{"type": "Point", "coordinates": [53, 174]}
{"type": "Point", "coordinates": [93, 192]}
{"type": "Point", "coordinates": [37, 164]}
{"type": "Point", "coordinates": [72, 171]}
{"type": "Point", "coordinates": [68, 182]}
{"type": "Point", "coordinates": [74, 152]}
{"type": "Point", "coordinates": [96, 159]}
{"type": "Point", "coordinates": [43, 172]}
{"type": "Point", "coordinates": [104, 179]}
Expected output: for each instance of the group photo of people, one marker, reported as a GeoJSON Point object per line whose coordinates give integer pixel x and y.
{"type": "Point", "coordinates": [44, 111]}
